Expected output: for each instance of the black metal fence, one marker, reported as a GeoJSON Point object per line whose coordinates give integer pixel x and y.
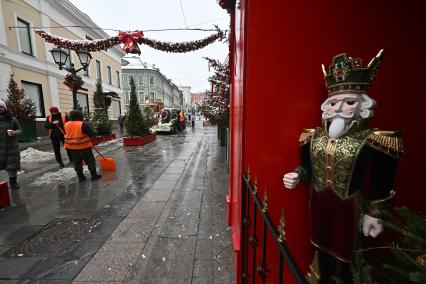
{"type": "Point", "coordinates": [252, 208]}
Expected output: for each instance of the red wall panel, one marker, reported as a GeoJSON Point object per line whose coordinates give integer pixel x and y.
{"type": "Point", "coordinates": [279, 87]}
{"type": "Point", "coordinates": [237, 60]}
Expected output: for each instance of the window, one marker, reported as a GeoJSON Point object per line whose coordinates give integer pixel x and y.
{"type": "Point", "coordinates": [141, 98]}
{"type": "Point", "coordinates": [151, 96]}
{"type": "Point", "coordinates": [116, 108]}
{"type": "Point", "coordinates": [109, 75]}
{"type": "Point", "coordinates": [118, 79]}
{"type": "Point", "coordinates": [130, 78]}
{"type": "Point", "coordinates": [140, 80]}
{"type": "Point", "coordinates": [35, 93]}
{"type": "Point", "coordinates": [83, 102]}
{"type": "Point", "coordinates": [98, 70]}
{"type": "Point", "coordinates": [151, 80]}
{"type": "Point", "coordinates": [68, 62]}
{"type": "Point", "coordinates": [86, 72]}
{"type": "Point", "coordinates": [127, 97]}
{"type": "Point", "coordinates": [25, 37]}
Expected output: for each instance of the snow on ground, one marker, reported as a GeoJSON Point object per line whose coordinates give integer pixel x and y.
{"type": "Point", "coordinates": [120, 140]}
{"type": "Point", "coordinates": [31, 155]}
{"type": "Point", "coordinates": [64, 175]}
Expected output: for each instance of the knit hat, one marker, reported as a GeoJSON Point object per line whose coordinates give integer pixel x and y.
{"type": "Point", "coordinates": [76, 115]}
{"type": "Point", "coordinates": [3, 104]}
{"type": "Point", "coordinates": [53, 109]}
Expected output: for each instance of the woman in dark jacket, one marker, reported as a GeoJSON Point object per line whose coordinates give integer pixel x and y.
{"type": "Point", "coordinates": [10, 159]}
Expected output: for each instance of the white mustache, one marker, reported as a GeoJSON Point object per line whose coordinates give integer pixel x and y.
{"type": "Point", "coordinates": [340, 114]}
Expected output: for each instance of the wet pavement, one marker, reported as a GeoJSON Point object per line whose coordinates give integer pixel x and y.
{"type": "Point", "coordinates": [160, 218]}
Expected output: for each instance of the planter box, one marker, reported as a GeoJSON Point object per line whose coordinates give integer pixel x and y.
{"type": "Point", "coordinates": [4, 195]}
{"type": "Point", "coordinates": [99, 139]}
{"type": "Point", "coordinates": [138, 140]}
{"type": "Point", "coordinates": [29, 131]}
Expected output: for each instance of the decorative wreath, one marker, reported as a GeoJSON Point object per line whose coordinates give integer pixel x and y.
{"type": "Point", "coordinates": [73, 82]}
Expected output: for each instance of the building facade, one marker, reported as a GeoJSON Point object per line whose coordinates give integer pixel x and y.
{"type": "Point", "coordinates": [27, 56]}
{"type": "Point", "coordinates": [197, 99]}
{"type": "Point", "coordinates": [152, 87]}
{"type": "Point", "coordinates": [186, 91]}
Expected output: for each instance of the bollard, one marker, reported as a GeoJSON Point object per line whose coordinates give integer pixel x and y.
{"type": "Point", "coordinates": [4, 194]}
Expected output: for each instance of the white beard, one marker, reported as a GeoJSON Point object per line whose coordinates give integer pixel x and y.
{"type": "Point", "coordinates": [337, 127]}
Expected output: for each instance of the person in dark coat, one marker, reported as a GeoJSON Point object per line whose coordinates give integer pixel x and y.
{"type": "Point", "coordinates": [55, 123]}
{"type": "Point", "coordinates": [121, 122]}
{"type": "Point", "coordinates": [10, 159]}
{"type": "Point", "coordinates": [78, 140]}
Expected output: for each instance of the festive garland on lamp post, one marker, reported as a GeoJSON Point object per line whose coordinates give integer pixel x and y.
{"type": "Point", "coordinates": [130, 41]}
{"type": "Point", "coordinates": [73, 81]}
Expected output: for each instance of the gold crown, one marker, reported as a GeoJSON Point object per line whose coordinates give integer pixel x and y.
{"type": "Point", "coordinates": [347, 75]}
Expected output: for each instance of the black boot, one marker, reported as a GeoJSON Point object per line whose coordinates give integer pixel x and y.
{"type": "Point", "coordinates": [81, 178]}
{"type": "Point", "coordinates": [61, 164]}
{"type": "Point", "coordinates": [95, 176]}
{"type": "Point", "coordinates": [13, 184]}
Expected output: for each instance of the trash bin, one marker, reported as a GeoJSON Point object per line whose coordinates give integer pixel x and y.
{"type": "Point", "coordinates": [29, 131]}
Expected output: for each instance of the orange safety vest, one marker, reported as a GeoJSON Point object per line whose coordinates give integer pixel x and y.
{"type": "Point", "coordinates": [181, 117]}
{"type": "Point", "coordinates": [75, 139]}
{"type": "Point", "coordinates": [60, 129]}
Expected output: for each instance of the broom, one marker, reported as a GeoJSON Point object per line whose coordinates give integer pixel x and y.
{"type": "Point", "coordinates": [107, 164]}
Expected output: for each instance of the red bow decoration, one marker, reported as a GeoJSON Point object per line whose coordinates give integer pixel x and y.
{"type": "Point", "coordinates": [130, 41]}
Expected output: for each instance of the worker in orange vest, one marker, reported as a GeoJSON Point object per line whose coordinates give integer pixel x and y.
{"type": "Point", "coordinates": [55, 123]}
{"type": "Point", "coordinates": [78, 141]}
{"type": "Point", "coordinates": [181, 121]}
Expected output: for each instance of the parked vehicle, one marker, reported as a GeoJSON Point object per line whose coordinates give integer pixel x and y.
{"type": "Point", "coordinates": [168, 122]}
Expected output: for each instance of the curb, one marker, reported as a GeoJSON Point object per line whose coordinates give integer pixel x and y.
{"type": "Point", "coordinates": [31, 175]}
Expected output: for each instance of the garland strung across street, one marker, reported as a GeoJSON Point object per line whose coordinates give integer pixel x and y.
{"type": "Point", "coordinates": [130, 42]}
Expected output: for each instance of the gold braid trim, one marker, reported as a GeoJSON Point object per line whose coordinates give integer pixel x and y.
{"type": "Point", "coordinates": [306, 136]}
{"type": "Point", "coordinates": [303, 174]}
{"type": "Point", "coordinates": [378, 208]}
{"type": "Point", "coordinates": [388, 142]}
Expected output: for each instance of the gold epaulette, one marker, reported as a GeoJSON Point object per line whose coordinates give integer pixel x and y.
{"type": "Point", "coordinates": [306, 136]}
{"type": "Point", "coordinates": [388, 142]}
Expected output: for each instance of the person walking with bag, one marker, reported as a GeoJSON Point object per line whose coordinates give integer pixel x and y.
{"type": "Point", "coordinates": [10, 158]}
{"type": "Point", "coordinates": [78, 141]}
{"type": "Point", "coordinates": [55, 123]}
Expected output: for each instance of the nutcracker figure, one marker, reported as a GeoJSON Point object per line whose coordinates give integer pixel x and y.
{"type": "Point", "coordinates": [351, 167]}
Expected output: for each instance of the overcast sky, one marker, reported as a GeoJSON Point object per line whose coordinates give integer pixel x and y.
{"type": "Point", "coordinates": [188, 69]}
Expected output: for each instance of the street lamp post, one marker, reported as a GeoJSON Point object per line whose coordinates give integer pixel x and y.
{"type": "Point", "coordinates": [60, 56]}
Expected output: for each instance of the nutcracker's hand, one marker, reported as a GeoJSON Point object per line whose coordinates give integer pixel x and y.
{"type": "Point", "coordinates": [371, 226]}
{"type": "Point", "coordinates": [291, 180]}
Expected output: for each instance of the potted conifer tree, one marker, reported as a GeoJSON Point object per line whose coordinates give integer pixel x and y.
{"type": "Point", "coordinates": [23, 109]}
{"type": "Point", "coordinates": [100, 121]}
{"type": "Point", "coordinates": [137, 130]}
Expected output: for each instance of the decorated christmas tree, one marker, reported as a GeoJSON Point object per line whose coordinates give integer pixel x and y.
{"type": "Point", "coordinates": [149, 119]}
{"type": "Point", "coordinates": [100, 117]}
{"type": "Point", "coordinates": [134, 121]}
{"type": "Point", "coordinates": [408, 264]}
{"type": "Point", "coordinates": [17, 104]}
{"type": "Point", "coordinates": [216, 104]}
{"type": "Point", "coordinates": [405, 261]}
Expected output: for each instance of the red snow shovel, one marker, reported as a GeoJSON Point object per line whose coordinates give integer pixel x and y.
{"type": "Point", "coordinates": [107, 164]}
